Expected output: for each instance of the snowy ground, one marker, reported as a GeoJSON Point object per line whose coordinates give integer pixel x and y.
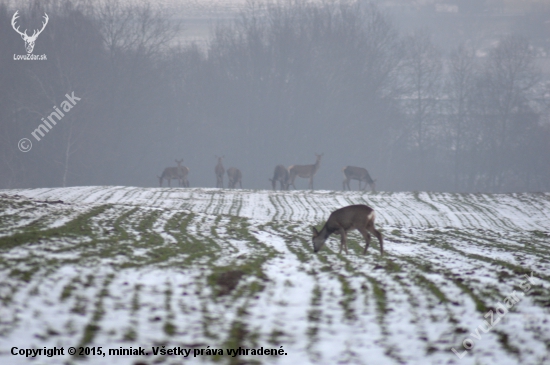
{"type": "Point", "coordinates": [191, 268]}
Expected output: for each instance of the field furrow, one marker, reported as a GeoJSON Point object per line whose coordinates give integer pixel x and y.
{"type": "Point", "coordinates": [125, 266]}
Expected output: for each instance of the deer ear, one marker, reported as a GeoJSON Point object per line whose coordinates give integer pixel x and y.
{"type": "Point", "coordinates": [314, 231]}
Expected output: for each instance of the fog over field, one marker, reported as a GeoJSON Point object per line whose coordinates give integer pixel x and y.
{"type": "Point", "coordinates": [426, 95]}
{"type": "Point", "coordinates": [464, 278]}
{"type": "Point", "coordinates": [141, 144]}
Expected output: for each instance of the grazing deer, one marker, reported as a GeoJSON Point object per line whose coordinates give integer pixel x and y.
{"type": "Point", "coordinates": [357, 173]}
{"type": "Point", "coordinates": [304, 171]}
{"type": "Point", "coordinates": [281, 175]}
{"type": "Point", "coordinates": [234, 176]}
{"type": "Point", "coordinates": [360, 217]}
{"type": "Point", "coordinates": [170, 173]}
{"type": "Point", "coordinates": [219, 170]}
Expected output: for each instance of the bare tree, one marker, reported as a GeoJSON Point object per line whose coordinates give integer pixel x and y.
{"type": "Point", "coordinates": [508, 77]}
{"type": "Point", "coordinates": [423, 82]}
{"type": "Point", "coordinates": [219, 171]}
{"type": "Point", "coordinates": [462, 76]}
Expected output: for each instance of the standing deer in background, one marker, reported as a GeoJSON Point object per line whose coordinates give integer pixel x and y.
{"type": "Point", "coordinates": [219, 170]}
{"type": "Point", "coordinates": [358, 173]}
{"type": "Point", "coordinates": [281, 175]}
{"type": "Point", "coordinates": [360, 217]}
{"type": "Point", "coordinates": [304, 171]}
{"type": "Point", "coordinates": [170, 173]}
{"type": "Point", "coordinates": [234, 176]}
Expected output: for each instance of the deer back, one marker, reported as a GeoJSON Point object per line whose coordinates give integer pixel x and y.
{"type": "Point", "coordinates": [350, 217]}
{"type": "Point", "coordinates": [357, 173]}
{"type": "Point", "coordinates": [234, 174]}
{"type": "Point", "coordinates": [171, 172]}
{"type": "Point", "coordinates": [280, 173]}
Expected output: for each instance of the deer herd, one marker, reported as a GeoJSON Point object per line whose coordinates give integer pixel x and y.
{"type": "Point", "coordinates": [282, 175]}
{"type": "Point", "coordinates": [360, 217]}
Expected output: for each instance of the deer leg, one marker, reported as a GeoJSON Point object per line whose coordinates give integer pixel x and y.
{"type": "Point", "coordinates": [378, 235]}
{"type": "Point", "coordinates": [366, 236]}
{"type": "Point", "coordinates": [343, 239]}
{"type": "Point", "coordinates": [292, 182]}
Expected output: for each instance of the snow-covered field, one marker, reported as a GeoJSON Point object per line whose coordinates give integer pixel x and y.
{"type": "Point", "coordinates": [191, 268]}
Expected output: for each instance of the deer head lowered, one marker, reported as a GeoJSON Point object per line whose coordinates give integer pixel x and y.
{"type": "Point", "coordinates": [29, 40]}
{"type": "Point", "coordinates": [179, 173]}
{"type": "Point", "coordinates": [281, 175]}
{"type": "Point", "coordinates": [360, 217]}
{"type": "Point", "coordinates": [234, 175]}
{"type": "Point", "coordinates": [358, 173]}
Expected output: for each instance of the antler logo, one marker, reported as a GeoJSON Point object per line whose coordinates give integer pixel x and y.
{"type": "Point", "coordinates": [29, 41]}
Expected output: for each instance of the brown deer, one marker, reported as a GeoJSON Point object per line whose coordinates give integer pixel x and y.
{"type": "Point", "coordinates": [170, 173]}
{"type": "Point", "coordinates": [219, 170]}
{"type": "Point", "coordinates": [360, 217]}
{"type": "Point", "coordinates": [234, 176]}
{"type": "Point", "coordinates": [281, 175]}
{"type": "Point", "coordinates": [357, 173]}
{"type": "Point", "coordinates": [304, 171]}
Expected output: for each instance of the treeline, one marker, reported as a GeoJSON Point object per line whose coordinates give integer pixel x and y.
{"type": "Point", "coordinates": [280, 83]}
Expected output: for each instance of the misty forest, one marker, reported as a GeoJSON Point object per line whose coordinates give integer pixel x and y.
{"type": "Point", "coordinates": [440, 110]}
{"type": "Point", "coordinates": [278, 84]}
